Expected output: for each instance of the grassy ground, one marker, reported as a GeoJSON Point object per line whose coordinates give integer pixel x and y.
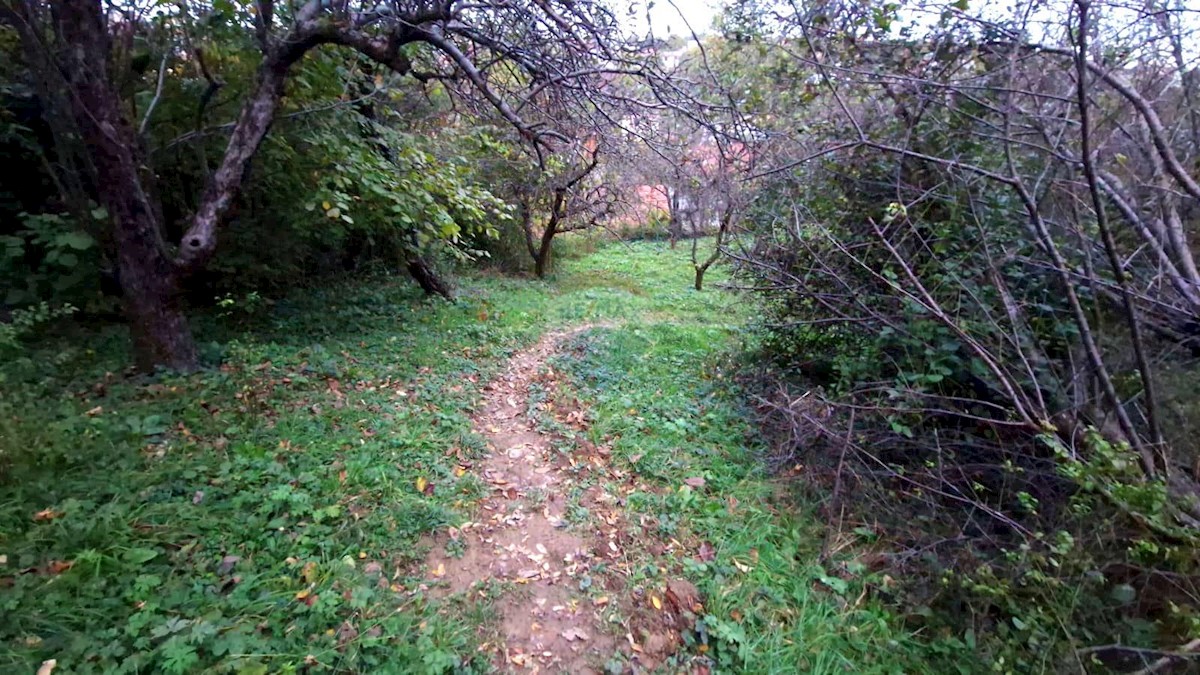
{"type": "Point", "coordinates": [265, 516]}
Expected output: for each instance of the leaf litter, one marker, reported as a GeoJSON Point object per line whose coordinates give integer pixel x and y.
{"type": "Point", "coordinates": [548, 623]}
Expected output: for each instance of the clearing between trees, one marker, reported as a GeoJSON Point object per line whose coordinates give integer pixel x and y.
{"type": "Point", "coordinates": [539, 477]}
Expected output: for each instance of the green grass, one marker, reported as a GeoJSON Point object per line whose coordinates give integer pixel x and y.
{"type": "Point", "coordinates": [663, 392]}
{"type": "Point", "coordinates": [262, 516]}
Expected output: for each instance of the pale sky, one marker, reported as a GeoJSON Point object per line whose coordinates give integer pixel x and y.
{"type": "Point", "coordinates": [667, 17]}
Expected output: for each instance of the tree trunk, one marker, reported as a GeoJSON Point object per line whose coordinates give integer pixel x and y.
{"type": "Point", "coordinates": [674, 230]}
{"type": "Point", "coordinates": [541, 256]}
{"type": "Point", "coordinates": [428, 278]}
{"type": "Point", "coordinates": [541, 262]}
{"type": "Point", "coordinates": [149, 277]}
{"type": "Point", "coordinates": [722, 231]}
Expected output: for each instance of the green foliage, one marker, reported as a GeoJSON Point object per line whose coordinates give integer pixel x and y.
{"type": "Point", "coordinates": [665, 391]}
{"type": "Point", "coordinates": [1034, 604]}
{"type": "Point", "coordinates": [390, 188]}
{"type": "Point", "coordinates": [25, 323]}
{"type": "Point", "coordinates": [343, 190]}
{"type": "Point", "coordinates": [52, 258]}
{"type": "Point", "coordinates": [242, 511]}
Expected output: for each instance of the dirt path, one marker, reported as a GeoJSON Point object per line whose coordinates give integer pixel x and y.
{"type": "Point", "coordinates": [520, 534]}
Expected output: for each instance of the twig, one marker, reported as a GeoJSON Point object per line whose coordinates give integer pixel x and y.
{"type": "Point", "coordinates": [1165, 658]}
{"type": "Point", "coordinates": [158, 90]}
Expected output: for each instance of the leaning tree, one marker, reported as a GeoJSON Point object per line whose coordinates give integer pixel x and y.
{"type": "Point", "coordinates": [485, 52]}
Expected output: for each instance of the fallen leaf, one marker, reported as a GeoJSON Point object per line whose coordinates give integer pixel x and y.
{"type": "Point", "coordinates": [654, 600]}
{"type": "Point", "coordinates": [198, 497]}
{"type": "Point", "coordinates": [303, 595]}
{"type": "Point", "coordinates": [346, 634]}
{"type": "Point", "coordinates": [57, 567]}
{"type": "Point", "coordinates": [695, 481]}
{"type": "Point", "coordinates": [424, 486]}
{"type": "Point", "coordinates": [95, 411]}
{"type": "Point", "coordinates": [47, 667]}
{"type": "Point", "coordinates": [683, 596]}
{"type": "Point", "coordinates": [227, 564]}
{"type": "Point", "coordinates": [707, 552]}
{"type": "Point", "coordinates": [440, 571]}
{"type": "Point", "coordinates": [47, 514]}
{"type": "Point", "coordinates": [309, 572]}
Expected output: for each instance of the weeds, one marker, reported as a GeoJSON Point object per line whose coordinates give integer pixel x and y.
{"type": "Point", "coordinates": [267, 514]}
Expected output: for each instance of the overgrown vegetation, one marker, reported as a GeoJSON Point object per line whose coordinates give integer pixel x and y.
{"type": "Point", "coordinates": [924, 368]}
{"type": "Point", "coordinates": [264, 516]}
{"type": "Point", "coordinates": [974, 305]}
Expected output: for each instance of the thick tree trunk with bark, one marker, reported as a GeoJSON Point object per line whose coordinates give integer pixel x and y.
{"type": "Point", "coordinates": [541, 261]}
{"type": "Point", "coordinates": [149, 277]}
{"type": "Point", "coordinates": [150, 271]}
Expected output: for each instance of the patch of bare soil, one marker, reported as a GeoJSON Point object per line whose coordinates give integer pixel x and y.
{"type": "Point", "coordinates": [520, 536]}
